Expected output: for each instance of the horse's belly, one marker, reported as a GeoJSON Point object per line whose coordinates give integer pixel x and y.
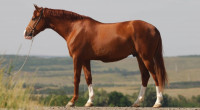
{"type": "Point", "coordinates": [113, 53]}
{"type": "Point", "coordinates": [107, 59]}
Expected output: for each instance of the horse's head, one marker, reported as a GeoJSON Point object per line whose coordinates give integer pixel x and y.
{"type": "Point", "coordinates": [36, 24]}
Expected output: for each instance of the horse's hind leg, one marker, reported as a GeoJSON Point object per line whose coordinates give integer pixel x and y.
{"type": "Point", "coordinates": [150, 66]}
{"type": "Point", "coordinates": [88, 78]}
{"type": "Point", "coordinates": [145, 78]}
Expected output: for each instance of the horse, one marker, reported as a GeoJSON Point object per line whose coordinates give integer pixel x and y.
{"type": "Point", "coordinates": [88, 39]}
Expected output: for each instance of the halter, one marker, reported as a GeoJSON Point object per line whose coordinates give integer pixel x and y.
{"type": "Point", "coordinates": [33, 29]}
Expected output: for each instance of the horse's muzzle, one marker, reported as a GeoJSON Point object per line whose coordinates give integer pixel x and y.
{"type": "Point", "coordinates": [28, 35]}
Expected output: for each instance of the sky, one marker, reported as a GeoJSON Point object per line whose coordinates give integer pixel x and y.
{"type": "Point", "coordinates": [177, 20]}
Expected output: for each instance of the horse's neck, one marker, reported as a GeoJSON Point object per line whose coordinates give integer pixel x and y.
{"type": "Point", "coordinates": [62, 27]}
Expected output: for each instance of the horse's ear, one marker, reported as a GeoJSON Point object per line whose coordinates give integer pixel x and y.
{"type": "Point", "coordinates": [36, 7]}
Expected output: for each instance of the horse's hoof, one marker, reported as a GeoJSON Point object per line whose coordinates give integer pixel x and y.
{"type": "Point", "coordinates": [70, 104]}
{"type": "Point", "coordinates": [89, 104]}
{"type": "Point", "coordinates": [135, 105]}
{"type": "Point", "coordinates": [157, 105]}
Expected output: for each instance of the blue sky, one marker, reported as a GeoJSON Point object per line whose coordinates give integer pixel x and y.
{"type": "Point", "coordinates": [177, 20]}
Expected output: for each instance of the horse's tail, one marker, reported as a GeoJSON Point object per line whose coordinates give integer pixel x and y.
{"type": "Point", "coordinates": [159, 64]}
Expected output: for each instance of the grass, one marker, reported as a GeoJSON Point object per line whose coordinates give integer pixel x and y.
{"type": "Point", "coordinates": [13, 95]}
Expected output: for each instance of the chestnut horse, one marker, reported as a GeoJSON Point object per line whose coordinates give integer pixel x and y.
{"type": "Point", "coordinates": [88, 39]}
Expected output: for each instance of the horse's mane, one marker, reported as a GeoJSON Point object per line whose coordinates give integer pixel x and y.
{"type": "Point", "coordinates": [64, 14]}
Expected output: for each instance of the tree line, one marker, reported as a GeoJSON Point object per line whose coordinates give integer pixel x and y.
{"type": "Point", "coordinates": [117, 99]}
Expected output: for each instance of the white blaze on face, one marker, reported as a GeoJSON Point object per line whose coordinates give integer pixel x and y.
{"type": "Point", "coordinates": [24, 32]}
{"type": "Point", "coordinates": [91, 93]}
{"type": "Point", "coordinates": [159, 95]}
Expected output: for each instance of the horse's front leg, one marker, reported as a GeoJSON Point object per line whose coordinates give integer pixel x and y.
{"type": "Point", "coordinates": [77, 73]}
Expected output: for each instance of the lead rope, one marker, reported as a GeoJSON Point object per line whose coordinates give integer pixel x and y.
{"type": "Point", "coordinates": [26, 57]}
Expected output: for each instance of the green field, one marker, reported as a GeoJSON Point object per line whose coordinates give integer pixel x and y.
{"type": "Point", "coordinates": [55, 74]}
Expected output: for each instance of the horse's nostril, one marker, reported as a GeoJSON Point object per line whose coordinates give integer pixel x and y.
{"type": "Point", "coordinates": [28, 33]}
